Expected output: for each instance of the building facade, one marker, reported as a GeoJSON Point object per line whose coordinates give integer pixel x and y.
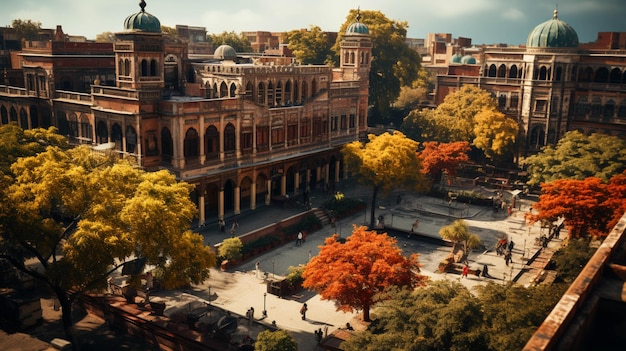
{"type": "Point", "coordinates": [243, 130]}
{"type": "Point", "coordinates": [552, 85]}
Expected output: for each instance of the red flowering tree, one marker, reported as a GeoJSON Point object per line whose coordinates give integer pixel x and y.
{"type": "Point", "coordinates": [588, 207]}
{"type": "Point", "coordinates": [354, 271]}
{"type": "Point", "coordinates": [438, 157]}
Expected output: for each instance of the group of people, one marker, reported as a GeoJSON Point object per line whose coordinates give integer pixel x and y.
{"type": "Point", "coordinates": [505, 248]}
{"type": "Point", "coordinates": [233, 228]}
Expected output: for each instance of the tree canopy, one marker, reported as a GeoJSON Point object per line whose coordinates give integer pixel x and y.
{"type": "Point", "coordinates": [239, 42]}
{"type": "Point", "coordinates": [26, 29]}
{"type": "Point", "coordinates": [353, 272]}
{"type": "Point", "coordinates": [589, 207]}
{"type": "Point", "coordinates": [458, 233]}
{"type": "Point", "coordinates": [311, 46]}
{"type": "Point", "coordinates": [278, 340]}
{"type": "Point", "coordinates": [443, 157]}
{"type": "Point", "coordinates": [577, 156]}
{"type": "Point", "coordinates": [81, 215]}
{"type": "Point", "coordinates": [445, 315]}
{"type": "Point", "coordinates": [494, 133]}
{"type": "Point", "coordinates": [393, 63]}
{"type": "Point", "coordinates": [387, 161]}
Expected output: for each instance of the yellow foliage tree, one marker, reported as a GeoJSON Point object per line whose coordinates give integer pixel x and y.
{"type": "Point", "coordinates": [386, 162]}
{"type": "Point", "coordinates": [495, 133]}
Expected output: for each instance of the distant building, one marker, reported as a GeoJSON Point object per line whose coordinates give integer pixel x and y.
{"type": "Point", "coordinates": [552, 85]}
{"type": "Point", "coordinates": [243, 130]}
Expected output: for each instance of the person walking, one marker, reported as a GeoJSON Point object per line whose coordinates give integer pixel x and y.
{"type": "Point", "coordinates": [465, 271]}
{"type": "Point", "coordinates": [508, 258]}
{"type": "Point", "coordinates": [221, 224]}
{"type": "Point", "coordinates": [486, 271]}
{"type": "Point", "coordinates": [303, 310]}
{"type": "Point", "coordinates": [511, 245]}
{"type": "Point", "coordinates": [299, 239]}
{"type": "Point", "coordinates": [234, 227]}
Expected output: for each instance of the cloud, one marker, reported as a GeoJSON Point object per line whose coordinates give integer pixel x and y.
{"type": "Point", "coordinates": [514, 14]}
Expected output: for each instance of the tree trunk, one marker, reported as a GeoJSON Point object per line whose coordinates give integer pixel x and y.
{"type": "Point", "coordinates": [372, 214]}
{"type": "Point", "coordinates": [66, 316]}
{"type": "Point", "coordinates": [366, 313]}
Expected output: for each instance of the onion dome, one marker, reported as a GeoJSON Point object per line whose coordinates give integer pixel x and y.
{"type": "Point", "coordinates": [142, 21]}
{"type": "Point", "coordinates": [358, 27]}
{"type": "Point", "coordinates": [456, 58]}
{"type": "Point", "coordinates": [468, 60]}
{"type": "Point", "coordinates": [553, 33]}
{"type": "Point", "coordinates": [225, 52]}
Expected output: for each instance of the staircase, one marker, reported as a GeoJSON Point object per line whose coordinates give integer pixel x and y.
{"type": "Point", "coordinates": [322, 215]}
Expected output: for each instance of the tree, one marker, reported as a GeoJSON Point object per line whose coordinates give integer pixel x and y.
{"type": "Point", "coordinates": [239, 42]}
{"type": "Point", "coordinates": [512, 313]}
{"type": "Point", "coordinates": [16, 142]}
{"type": "Point", "coordinates": [82, 215]}
{"type": "Point", "coordinates": [310, 46]}
{"type": "Point", "coordinates": [577, 156]}
{"type": "Point", "coordinates": [571, 257]}
{"type": "Point", "coordinates": [458, 233]}
{"type": "Point", "coordinates": [420, 125]}
{"type": "Point", "coordinates": [443, 157]}
{"type": "Point", "coordinates": [26, 29]}
{"type": "Point", "coordinates": [105, 37]}
{"type": "Point", "coordinates": [444, 315]}
{"type": "Point", "coordinates": [230, 248]}
{"type": "Point", "coordinates": [354, 272]}
{"type": "Point", "coordinates": [393, 63]}
{"type": "Point", "coordinates": [495, 133]}
{"type": "Point", "coordinates": [387, 161]}
{"type": "Point", "coordinates": [589, 207]}
{"type": "Point", "coordinates": [278, 340]}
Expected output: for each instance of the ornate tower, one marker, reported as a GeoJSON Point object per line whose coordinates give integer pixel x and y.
{"type": "Point", "coordinates": [356, 50]}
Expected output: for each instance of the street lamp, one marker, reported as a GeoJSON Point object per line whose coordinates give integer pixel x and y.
{"type": "Point", "coordinates": [264, 309]}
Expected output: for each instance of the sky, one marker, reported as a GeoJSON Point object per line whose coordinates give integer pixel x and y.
{"type": "Point", "coordinates": [485, 21]}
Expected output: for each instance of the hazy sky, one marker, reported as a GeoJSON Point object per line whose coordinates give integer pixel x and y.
{"type": "Point", "coordinates": [485, 21]}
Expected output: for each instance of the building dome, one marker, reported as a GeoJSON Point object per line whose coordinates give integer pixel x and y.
{"type": "Point", "coordinates": [358, 27]}
{"type": "Point", "coordinates": [553, 33]}
{"type": "Point", "coordinates": [468, 60]}
{"type": "Point", "coordinates": [142, 21]}
{"type": "Point", "coordinates": [456, 58]}
{"type": "Point", "coordinates": [225, 52]}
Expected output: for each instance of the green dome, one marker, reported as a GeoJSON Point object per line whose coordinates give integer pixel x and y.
{"type": "Point", "coordinates": [468, 60]}
{"type": "Point", "coordinates": [553, 33]}
{"type": "Point", "coordinates": [456, 58]}
{"type": "Point", "coordinates": [358, 27]}
{"type": "Point", "coordinates": [142, 21]}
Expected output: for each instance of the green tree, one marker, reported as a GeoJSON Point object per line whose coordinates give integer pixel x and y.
{"type": "Point", "coordinates": [387, 161]}
{"type": "Point", "coordinates": [82, 215]}
{"type": "Point", "coordinates": [26, 29]}
{"type": "Point", "coordinates": [230, 248]}
{"type": "Point", "coordinates": [278, 340]}
{"type": "Point", "coordinates": [577, 156]}
{"type": "Point", "coordinates": [311, 46]}
{"type": "Point", "coordinates": [239, 42]}
{"type": "Point", "coordinates": [494, 133]}
{"type": "Point", "coordinates": [105, 37]}
{"type": "Point", "coordinates": [353, 272]}
{"type": "Point", "coordinates": [394, 64]}
{"type": "Point", "coordinates": [420, 125]}
{"type": "Point", "coordinates": [571, 258]}
{"type": "Point", "coordinates": [444, 315]}
{"type": "Point", "coordinates": [458, 233]}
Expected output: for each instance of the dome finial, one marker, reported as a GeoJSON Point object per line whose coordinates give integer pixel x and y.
{"type": "Point", "coordinates": [142, 4]}
{"type": "Point", "coordinates": [358, 14]}
{"type": "Point", "coordinates": [555, 13]}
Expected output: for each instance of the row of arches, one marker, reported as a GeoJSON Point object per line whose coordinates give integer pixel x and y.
{"type": "Point", "coordinates": [26, 118]}
{"type": "Point", "coordinates": [148, 68]}
{"type": "Point", "coordinates": [270, 93]}
{"type": "Point", "coordinates": [596, 108]}
{"type": "Point", "coordinates": [544, 72]}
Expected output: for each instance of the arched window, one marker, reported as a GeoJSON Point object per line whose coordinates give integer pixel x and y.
{"type": "Point", "coordinates": [502, 71]}
{"type": "Point", "coordinates": [313, 87]}
{"type": "Point", "coordinates": [559, 72]}
{"type": "Point", "coordinates": [514, 101]}
{"type": "Point", "coordinates": [352, 57]}
{"type": "Point", "coordinates": [502, 101]}
{"type": "Point", "coordinates": [5, 114]}
{"type": "Point", "coordinates": [127, 67]}
{"type": "Point", "coordinates": [85, 128]}
{"type": "Point", "coordinates": [537, 136]}
{"type": "Point", "coordinates": [211, 143]}
{"type": "Point", "coordinates": [305, 91]}
{"type": "Point", "coordinates": [167, 145]}
{"type": "Point", "coordinates": [585, 75]}
{"type": "Point", "coordinates": [192, 145]}
{"type": "Point", "coordinates": [249, 90]}
{"type": "Point", "coordinates": [616, 76]}
{"type": "Point", "coordinates": [13, 115]}
{"type": "Point", "coordinates": [543, 73]}
{"type": "Point", "coordinates": [233, 89]}
{"type": "Point", "coordinates": [492, 70]}
{"type": "Point", "coordinates": [74, 126]}
{"type": "Point", "coordinates": [261, 93]}
{"type": "Point", "coordinates": [621, 113]}
{"type": "Point", "coordinates": [602, 75]}
{"type": "Point", "coordinates": [153, 68]}
{"type": "Point", "coordinates": [287, 93]}
{"type": "Point", "coordinates": [513, 72]}
{"type": "Point", "coordinates": [131, 140]}
{"type": "Point", "coordinates": [229, 138]}
{"type": "Point", "coordinates": [116, 136]}
{"type": "Point", "coordinates": [144, 68]}
{"type": "Point", "coordinates": [121, 68]}
{"type": "Point", "coordinates": [223, 90]}
{"type": "Point", "coordinates": [581, 107]}
{"type": "Point", "coordinates": [596, 107]}
{"type": "Point", "coordinates": [609, 109]}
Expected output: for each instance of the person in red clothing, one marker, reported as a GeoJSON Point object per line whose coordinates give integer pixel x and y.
{"type": "Point", "coordinates": [465, 271]}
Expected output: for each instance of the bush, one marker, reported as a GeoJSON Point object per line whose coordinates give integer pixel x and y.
{"type": "Point", "coordinates": [342, 207]}
{"type": "Point", "coordinates": [294, 277]}
{"type": "Point", "coordinates": [231, 249]}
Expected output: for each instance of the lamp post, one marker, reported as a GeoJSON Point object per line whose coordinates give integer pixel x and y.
{"type": "Point", "coordinates": [264, 309]}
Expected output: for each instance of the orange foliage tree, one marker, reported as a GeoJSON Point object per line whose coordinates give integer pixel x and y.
{"type": "Point", "coordinates": [588, 207]}
{"type": "Point", "coordinates": [353, 272]}
{"type": "Point", "coordinates": [438, 157]}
